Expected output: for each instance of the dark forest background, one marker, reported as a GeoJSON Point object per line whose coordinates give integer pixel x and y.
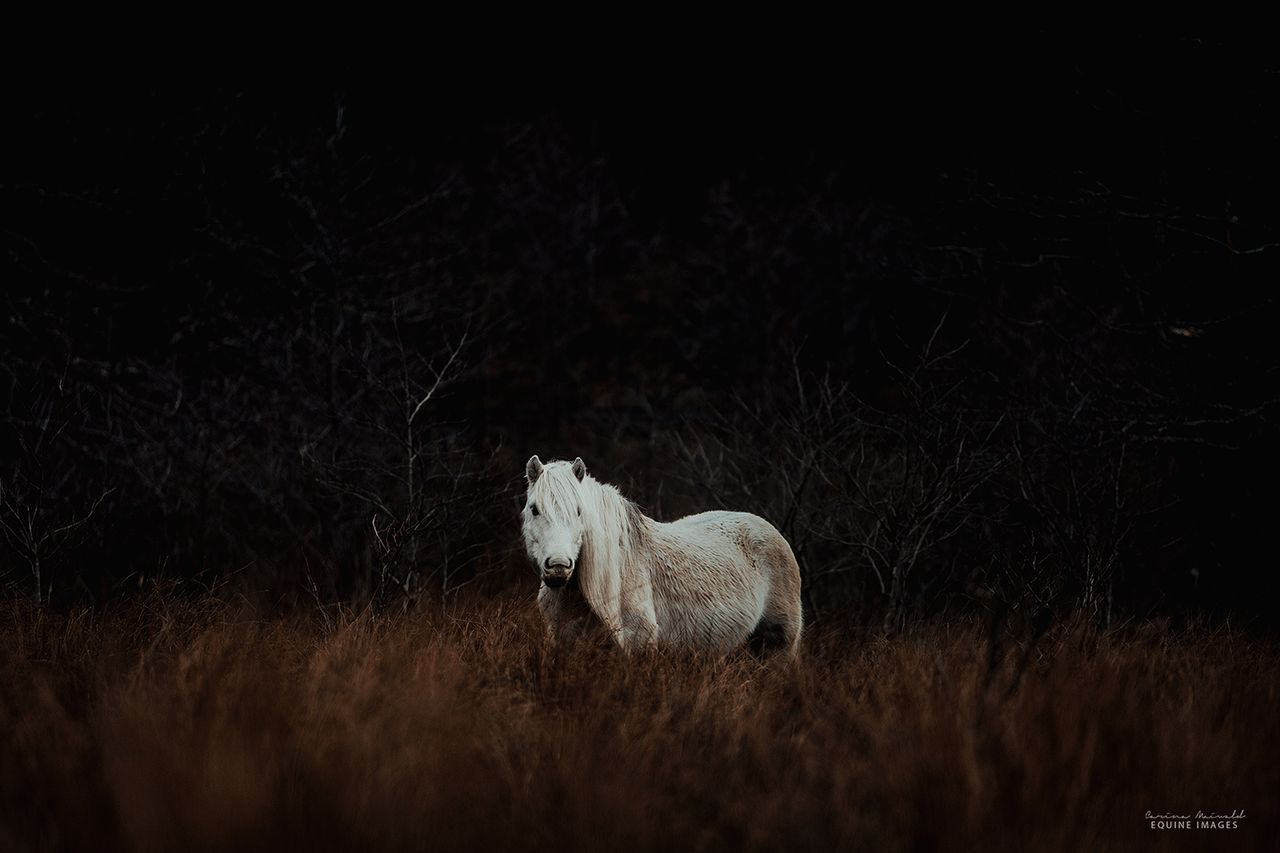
{"type": "Point", "coordinates": [990, 333]}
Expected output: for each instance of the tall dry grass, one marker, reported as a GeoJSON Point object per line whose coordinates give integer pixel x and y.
{"type": "Point", "coordinates": [172, 724]}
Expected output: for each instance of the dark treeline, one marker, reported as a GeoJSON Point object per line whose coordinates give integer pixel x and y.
{"type": "Point", "coordinates": [1006, 345]}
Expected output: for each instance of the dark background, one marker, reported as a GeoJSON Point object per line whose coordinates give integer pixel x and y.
{"type": "Point", "coordinates": [987, 326]}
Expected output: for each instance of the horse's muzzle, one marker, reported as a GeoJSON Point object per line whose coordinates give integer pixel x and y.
{"type": "Point", "coordinates": [556, 572]}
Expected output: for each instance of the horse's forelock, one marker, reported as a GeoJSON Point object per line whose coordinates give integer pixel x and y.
{"type": "Point", "coordinates": [557, 491]}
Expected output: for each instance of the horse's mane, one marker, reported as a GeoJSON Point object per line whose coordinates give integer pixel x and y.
{"type": "Point", "coordinates": [617, 534]}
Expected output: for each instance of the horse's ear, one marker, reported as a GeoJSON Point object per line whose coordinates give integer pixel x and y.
{"type": "Point", "coordinates": [579, 468]}
{"type": "Point", "coordinates": [533, 469]}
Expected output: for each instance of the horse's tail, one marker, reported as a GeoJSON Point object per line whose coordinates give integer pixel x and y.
{"type": "Point", "coordinates": [782, 622]}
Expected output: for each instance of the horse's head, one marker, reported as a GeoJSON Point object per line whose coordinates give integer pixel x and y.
{"type": "Point", "coordinates": [553, 527]}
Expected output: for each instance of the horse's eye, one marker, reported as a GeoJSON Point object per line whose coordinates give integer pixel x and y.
{"type": "Point", "coordinates": [579, 510]}
{"type": "Point", "coordinates": [533, 508]}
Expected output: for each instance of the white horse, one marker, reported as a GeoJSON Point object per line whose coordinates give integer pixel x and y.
{"type": "Point", "coordinates": [711, 581]}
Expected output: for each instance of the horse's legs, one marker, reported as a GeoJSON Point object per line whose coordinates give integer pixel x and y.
{"type": "Point", "coordinates": [565, 613]}
{"type": "Point", "coordinates": [639, 630]}
{"type": "Point", "coordinates": [639, 619]}
{"type": "Point", "coordinates": [770, 638]}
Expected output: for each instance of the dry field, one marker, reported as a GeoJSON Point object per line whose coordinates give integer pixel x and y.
{"type": "Point", "coordinates": [167, 723]}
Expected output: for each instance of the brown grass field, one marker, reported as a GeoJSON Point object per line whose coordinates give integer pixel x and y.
{"type": "Point", "coordinates": [172, 724]}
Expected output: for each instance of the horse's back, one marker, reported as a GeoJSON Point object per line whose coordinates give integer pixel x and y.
{"type": "Point", "coordinates": [723, 518]}
{"type": "Point", "coordinates": [745, 529]}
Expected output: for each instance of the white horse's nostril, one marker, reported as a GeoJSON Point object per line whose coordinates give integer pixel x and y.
{"type": "Point", "coordinates": [562, 562]}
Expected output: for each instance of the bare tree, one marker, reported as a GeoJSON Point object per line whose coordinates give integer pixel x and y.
{"type": "Point", "coordinates": [42, 513]}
